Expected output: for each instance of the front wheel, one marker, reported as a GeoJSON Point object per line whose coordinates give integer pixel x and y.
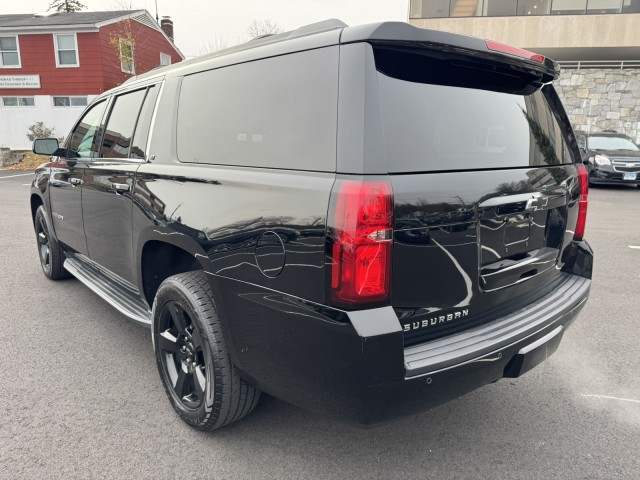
{"type": "Point", "coordinates": [49, 250]}
{"type": "Point", "coordinates": [202, 384]}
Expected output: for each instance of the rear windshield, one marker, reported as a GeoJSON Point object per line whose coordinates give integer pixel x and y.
{"type": "Point", "coordinates": [611, 143]}
{"type": "Point", "coordinates": [430, 127]}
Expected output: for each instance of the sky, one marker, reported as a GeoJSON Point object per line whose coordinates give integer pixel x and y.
{"type": "Point", "coordinates": [199, 23]}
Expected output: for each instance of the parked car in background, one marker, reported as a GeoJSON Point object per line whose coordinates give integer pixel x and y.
{"type": "Point", "coordinates": [610, 157]}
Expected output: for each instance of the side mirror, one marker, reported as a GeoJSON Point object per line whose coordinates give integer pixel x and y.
{"type": "Point", "coordinates": [45, 146]}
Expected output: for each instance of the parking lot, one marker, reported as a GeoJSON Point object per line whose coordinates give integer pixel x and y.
{"type": "Point", "coordinates": [81, 396]}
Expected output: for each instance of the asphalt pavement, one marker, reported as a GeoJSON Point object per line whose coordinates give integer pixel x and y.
{"type": "Point", "coordinates": [80, 396]}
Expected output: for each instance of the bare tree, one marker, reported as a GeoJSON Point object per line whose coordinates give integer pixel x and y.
{"type": "Point", "coordinates": [258, 28]}
{"type": "Point", "coordinates": [213, 45]}
{"type": "Point", "coordinates": [66, 6]}
{"type": "Point", "coordinates": [123, 5]}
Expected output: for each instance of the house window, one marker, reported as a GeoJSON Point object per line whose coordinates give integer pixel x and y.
{"type": "Point", "coordinates": [70, 101]}
{"type": "Point", "coordinates": [18, 102]}
{"type": "Point", "coordinates": [9, 52]}
{"type": "Point", "coordinates": [66, 50]}
{"type": "Point", "coordinates": [165, 59]}
{"type": "Point", "coordinates": [127, 61]}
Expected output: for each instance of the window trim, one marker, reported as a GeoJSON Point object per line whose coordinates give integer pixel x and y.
{"type": "Point", "coordinates": [56, 50]}
{"type": "Point", "coordinates": [53, 104]}
{"type": "Point", "coordinates": [2, 105]}
{"type": "Point", "coordinates": [95, 102]}
{"type": "Point", "coordinates": [17, 50]}
{"type": "Point", "coordinates": [133, 56]}
{"type": "Point", "coordinates": [165, 55]}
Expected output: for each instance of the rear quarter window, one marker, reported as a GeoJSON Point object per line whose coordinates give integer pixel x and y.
{"type": "Point", "coordinates": [431, 127]}
{"type": "Point", "coordinates": [278, 112]}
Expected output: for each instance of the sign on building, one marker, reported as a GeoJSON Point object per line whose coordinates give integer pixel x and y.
{"type": "Point", "coordinates": [19, 81]}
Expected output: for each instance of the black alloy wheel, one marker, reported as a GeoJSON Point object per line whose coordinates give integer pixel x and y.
{"type": "Point", "coordinates": [203, 385]}
{"type": "Point", "coordinates": [44, 250]}
{"type": "Point", "coordinates": [49, 250]}
{"type": "Point", "coordinates": [183, 354]}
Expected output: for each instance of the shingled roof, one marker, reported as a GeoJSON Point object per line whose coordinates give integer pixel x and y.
{"type": "Point", "coordinates": [61, 19]}
{"type": "Point", "coordinates": [86, 19]}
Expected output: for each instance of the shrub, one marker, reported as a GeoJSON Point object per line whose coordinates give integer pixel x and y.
{"type": "Point", "coordinates": [39, 130]}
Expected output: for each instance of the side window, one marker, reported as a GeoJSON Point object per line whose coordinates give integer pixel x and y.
{"type": "Point", "coordinates": [122, 120]}
{"type": "Point", "coordinates": [82, 141]}
{"type": "Point", "coordinates": [278, 112]}
{"type": "Point", "coordinates": [139, 145]}
{"type": "Point", "coordinates": [582, 141]}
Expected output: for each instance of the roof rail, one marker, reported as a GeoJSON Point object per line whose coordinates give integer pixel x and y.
{"type": "Point", "coordinates": [311, 29]}
{"type": "Point", "coordinates": [318, 27]}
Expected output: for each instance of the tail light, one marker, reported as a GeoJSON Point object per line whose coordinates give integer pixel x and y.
{"type": "Point", "coordinates": [583, 180]}
{"type": "Point", "coordinates": [518, 52]}
{"type": "Point", "coordinates": [360, 243]}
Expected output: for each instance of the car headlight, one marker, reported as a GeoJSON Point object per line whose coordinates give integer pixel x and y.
{"type": "Point", "coordinates": [602, 160]}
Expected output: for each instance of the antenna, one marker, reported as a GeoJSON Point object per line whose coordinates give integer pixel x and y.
{"type": "Point", "coordinates": [157, 18]}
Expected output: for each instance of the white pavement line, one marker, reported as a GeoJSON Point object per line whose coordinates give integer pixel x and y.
{"type": "Point", "coordinates": [612, 398]}
{"type": "Point", "coordinates": [637, 247]}
{"type": "Point", "coordinates": [26, 184]}
{"type": "Point", "coordinates": [19, 175]}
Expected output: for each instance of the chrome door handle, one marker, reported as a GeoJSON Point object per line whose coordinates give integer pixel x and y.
{"type": "Point", "coordinates": [75, 181]}
{"type": "Point", "coordinates": [121, 187]}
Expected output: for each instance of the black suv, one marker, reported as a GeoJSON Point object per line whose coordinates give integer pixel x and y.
{"type": "Point", "coordinates": [366, 221]}
{"type": "Point", "coordinates": [610, 157]}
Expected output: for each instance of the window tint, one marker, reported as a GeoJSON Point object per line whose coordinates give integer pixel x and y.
{"type": "Point", "coordinates": [18, 101]}
{"type": "Point", "coordinates": [604, 6]}
{"type": "Point", "coordinates": [9, 55]}
{"type": "Point", "coordinates": [69, 101]}
{"type": "Point", "coordinates": [631, 6]}
{"type": "Point", "coordinates": [122, 120]}
{"type": "Point", "coordinates": [499, 8]}
{"type": "Point", "coordinates": [67, 50]}
{"type": "Point", "coordinates": [534, 7]}
{"type": "Point", "coordinates": [611, 143]}
{"type": "Point", "coordinates": [568, 7]}
{"type": "Point", "coordinates": [437, 127]}
{"type": "Point", "coordinates": [127, 61]}
{"type": "Point", "coordinates": [278, 112]}
{"type": "Point", "coordinates": [83, 141]}
{"type": "Point", "coordinates": [165, 59]}
{"type": "Point", "coordinates": [139, 145]}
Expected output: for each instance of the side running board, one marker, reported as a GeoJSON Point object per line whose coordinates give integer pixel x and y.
{"type": "Point", "coordinates": [123, 296]}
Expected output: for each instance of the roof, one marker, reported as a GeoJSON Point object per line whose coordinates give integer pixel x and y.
{"type": "Point", "coordinates": [76, 21]}
{"type": "Point", "coordinates": [60, 19]}
{"type": "Point", "coordinates": [334, 32]}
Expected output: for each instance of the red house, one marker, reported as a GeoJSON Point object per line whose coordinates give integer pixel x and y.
{"type": "Point", "coordinates": [53, 65]}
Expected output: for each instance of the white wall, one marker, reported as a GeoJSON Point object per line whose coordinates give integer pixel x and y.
{"type": "Point", "coordinates": [14, 121]}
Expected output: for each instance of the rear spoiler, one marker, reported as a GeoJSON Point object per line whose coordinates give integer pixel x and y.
{"type": "Point", "coordinates": [402, 34]}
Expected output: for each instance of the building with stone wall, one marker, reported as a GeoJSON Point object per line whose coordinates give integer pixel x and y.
{"type": "Point", "coordinates": [602, 99]}
{"type": "Point", "coordinates": [597, 43]}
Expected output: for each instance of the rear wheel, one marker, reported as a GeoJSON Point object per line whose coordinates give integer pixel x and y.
{"type": "Point", "coordinates": [202, 384]}
{"type": "Point", "coordinates": [49, 250]}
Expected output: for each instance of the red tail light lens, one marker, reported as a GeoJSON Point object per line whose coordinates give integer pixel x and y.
{"type": "Point", "coordinates": [360, 242]}
{"type": "Point", "coordinates": [518, 52]}
{"type": "Point", "coordinates": [583, 180]}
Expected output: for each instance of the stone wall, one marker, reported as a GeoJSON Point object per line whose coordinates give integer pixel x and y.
{"type": "Point", "coordinates": [10, 157]}
{"type": "Point", "coordinates": [602, 99]}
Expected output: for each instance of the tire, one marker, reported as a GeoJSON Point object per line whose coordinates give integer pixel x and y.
{"type": "Point", "coordinates": [202, 384]}
{"type": "Point", "coordinates": [49, 250]}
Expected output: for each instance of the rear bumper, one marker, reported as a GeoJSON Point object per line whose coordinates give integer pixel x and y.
{"type": "Point", "coordinates": [360, 371]}
{"type": "Point", "coordinates": [508, 347]}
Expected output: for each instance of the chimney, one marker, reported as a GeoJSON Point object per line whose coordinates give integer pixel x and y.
{"type": "Point", "coordinates": [166, 24]}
